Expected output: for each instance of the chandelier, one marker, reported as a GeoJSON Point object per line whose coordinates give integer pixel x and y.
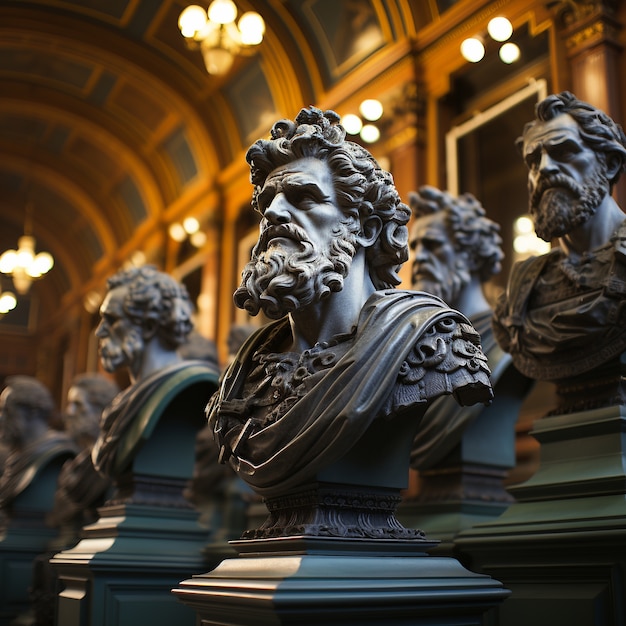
{"type": "Point", "coordinates": [23, 264]}
{"type": "Point", "coordinates": [215, 33]}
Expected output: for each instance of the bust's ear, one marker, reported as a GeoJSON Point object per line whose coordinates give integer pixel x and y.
{"type": "Point", "coordinates": [613, 164]}
{"type": "Point", "coordinates": [370, 229]}
{"type": "Point", "coordinates": [149, 329]}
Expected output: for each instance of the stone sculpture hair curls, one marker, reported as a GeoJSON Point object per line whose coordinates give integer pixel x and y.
{"type": "Point", "coordinates": [362, 188]}
{"type": "Point", "coordinates": [100, 390]}
{"type": "Point", "coordinates": [471, 231]}
{"type": "Point", "coordinates": [155, 299]}
{"type": "Point", "coordinates": [597, 129]}
{"type": "Point", "coordinates": [32, 395]}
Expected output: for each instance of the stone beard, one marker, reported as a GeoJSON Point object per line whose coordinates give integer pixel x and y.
{"type": "Point", "coordinates": [559, 204]}
{"type": "Point", "coordinates": [114, 355]}
{"type": "Point", "coordinates": [446, 287]}
{"type": "Point", "coordinates": [280, 280]}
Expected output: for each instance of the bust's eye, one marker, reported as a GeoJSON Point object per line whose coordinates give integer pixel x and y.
{"type": "Point", "coordinates": [532, 160]}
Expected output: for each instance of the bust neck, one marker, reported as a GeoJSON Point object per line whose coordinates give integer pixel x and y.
{"type": "Point", "coordinates": [595, 232]}
{"type": "Point", "coordinates": [336, 314]}
{"type": "Point", "coordinates": [155, 356]}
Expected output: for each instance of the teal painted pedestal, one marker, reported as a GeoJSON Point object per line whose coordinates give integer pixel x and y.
{"type": "Point", "coordinates": [147, 537]}
{"type": "Point", "coordinates": [26, 535]}
{"type": "Point", "coordinates": [303, 580]}
{"type": "Point", "coordinates": [561, 548]}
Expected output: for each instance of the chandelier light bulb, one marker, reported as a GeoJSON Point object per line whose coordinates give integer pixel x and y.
{"type": "Point", "coordinates": [192, 20]}
{"type": "Point", "coordinates": [472, 49]}
{"type": "Point", "coordinates": [352, 123]}
{"type": "Point", "coordinates": [500, 29]}
{"type": "Point", "coordinates": [8, 302]}
{"type": "Point", "coordinates": [509, 53]}
{"type": "Point", "coordinates": [371, 109]}
{"type": "Point", "coordinates": [8, 261]}
{"type": "Point", "coordinates": [40, 265]}
{"type": "Point", "coordinates": [222, 11]}
{"type": "Point", "coordinates": [252, 28]}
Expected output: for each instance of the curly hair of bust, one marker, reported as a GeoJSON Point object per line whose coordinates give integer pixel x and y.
{"type": "Point", "coordinates": [596, 128]}
{"type": "Point", "coordinates": [361, 186]}
{"type": "Point", "coordinates": [29, 393]}
{"type": "Point", "coordinates": [155, 298]}
{"type": "Point", "coordinates": [471, 231]}
{"type": "Point", "coordinates": [99, 389]}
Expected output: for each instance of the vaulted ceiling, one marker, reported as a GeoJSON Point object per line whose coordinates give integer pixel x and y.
{"type": "Point", "coordinates": [108, 120]}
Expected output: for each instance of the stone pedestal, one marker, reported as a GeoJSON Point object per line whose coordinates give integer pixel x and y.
{"type": "Point", "coordinates": [147, 536]}
{"type": "Point", "coordinates": [466, 487]}
{"type": "Point", "coordinates": [122, 570]}
{"type": "Point", "coordinates": [561, 547]}
{"type": "Point", "coordinates": [26, 536]}
{"type": "Point", "coordinates": [332, 553]}
{"type": "Point", "coordinates": [331, 581]}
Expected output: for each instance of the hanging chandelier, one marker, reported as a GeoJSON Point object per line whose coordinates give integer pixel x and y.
{"type": "Point", "coordinates": [217, 36]}
{"type": "Point", "coordinates": [23, 264]}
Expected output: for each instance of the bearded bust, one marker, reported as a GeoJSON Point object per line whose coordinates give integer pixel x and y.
{"type": "Point", "coordinates": [562, 317]}
{"type": "Point", "coordinates": [349, 361]}
{"type": "Point", "coordinates": [145, 320]}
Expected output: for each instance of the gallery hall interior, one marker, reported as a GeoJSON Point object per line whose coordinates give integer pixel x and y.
{"type": "Point", "coordinates": [125, 127]}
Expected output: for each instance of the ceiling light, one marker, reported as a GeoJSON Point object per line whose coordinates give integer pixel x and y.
{"type": "Point", "coordinates": [191, 225]}
{"type": "Point", "coordinates": [8, 302]}
{"type": "Point", "coordinates": [177, 232]}
{"type": "Point", "coordinates": [198, 239]}
{"type": "Point", "coordinates": [473, 49]}
{"type": "Point", "coordinates": [371, 110]}
{"type": "Point", "coordinates": [216, 35]}
{"type": "Point", "coordinates": [500, 29]}
{"type": "Point", "coordinates": [370, 133]}
{"type": "Point", "coordinates": [23, 264]}
{"type": "Point", "coordinates": [509, 53]}
{"type": "Point", "coordinates": [352, 123]}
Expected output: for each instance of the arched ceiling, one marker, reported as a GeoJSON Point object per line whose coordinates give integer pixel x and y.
{"type": "Point", "coordinates": [107, 119]}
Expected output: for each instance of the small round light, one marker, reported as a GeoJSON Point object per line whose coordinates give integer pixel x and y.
{"type": "Point", "coordinates": [252, 28]}
{"type": "Point", "coordinates": [191, 20]}
{"type": "Point", "coordinates": [198, 239]}
{"type": "Point", "coordinates": [371, 110]}
{"type": "Point", "coordinates": [352, 123]}
{"type": "Point", "coordinates": [369, 133]}
{"type": "Point", "coordinates": [41, 265]}
{"type": "Point", "coordinates": [177, 232]}
{"type": "Point", "coordinates": [473, 49]}
{"type": "Point", "coordinates": [500, 29]}
{"type": "Point", "coordinates": [191, 225]}
{"type": "Point", "coordinates": [8, 302]}
{"type": "Point", "coordinates": [8, 261]}
{"type": "Point", "coordinates": [524, 224]}
{"type": "Point", "coordinates": [509, 53]}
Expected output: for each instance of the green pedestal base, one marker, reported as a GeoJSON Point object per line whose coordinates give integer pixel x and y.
{"type": "Point", "coordinates": [561, 547]}
{"type": "Point", "coordinates": [299, 581]}
{"type": "Point", "coordinates": [444, 520]}
{"type": "Point", "coordinates": [122, 571]}
{"type": "Point", "coordinates": [18, 549]}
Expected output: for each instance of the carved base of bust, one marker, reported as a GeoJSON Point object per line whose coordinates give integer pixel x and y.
{"type": "Point", "coordinates": [334, 510]}
{"type": "Point", "coordinates": [602, 387]}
